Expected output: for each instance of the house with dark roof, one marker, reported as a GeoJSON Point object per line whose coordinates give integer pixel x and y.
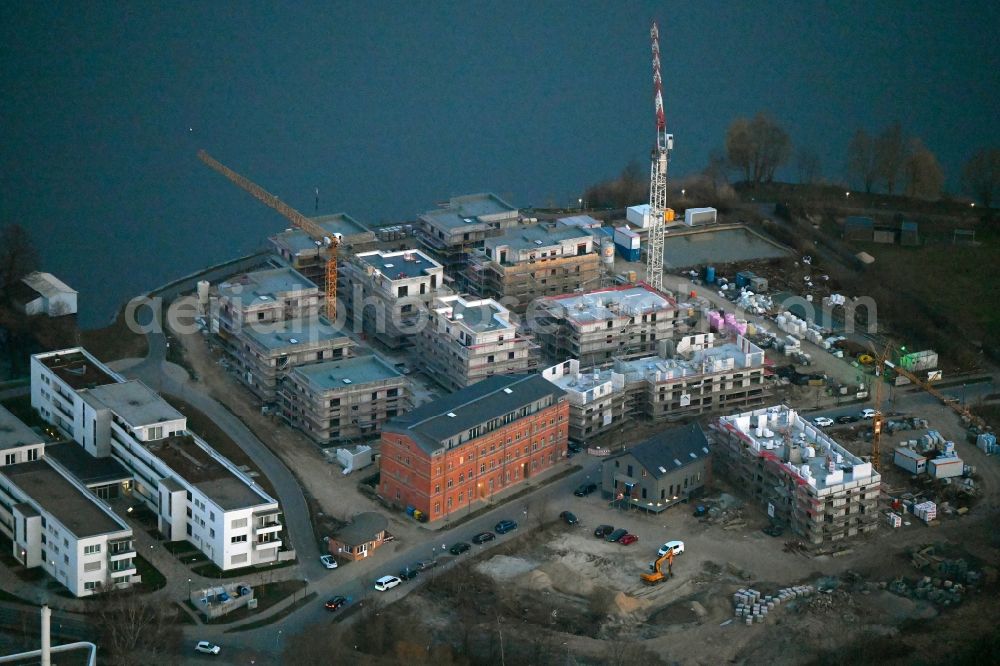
{"type": "Point", "coordinates": [667, 468]}
{"type": "Point", "coordinates": [359, 538]}
{"type": "Point", "coordinates": [463, 448]}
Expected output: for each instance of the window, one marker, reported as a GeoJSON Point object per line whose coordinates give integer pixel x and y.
{"type": "Point", "coordinates": [238, 539]}
{"type": "Point", "coordinates": [32, 454]}
{"type": "Point", "coordinates": [238, 559]}
{"type": "Point", "coordinates": [211, 533]}
{"type": "Point", "coordinates": [91, 550]}
{"type": "Point", "coordinates": [9, 459]}
{"type": "Point", "coordinates": [92, 566]}
{"type": "Point", "coordinates": [90, 585]}
{"type": "Point", "coordinates": [629, 471]}
{"type": "Point", "coordinates": [238, 523]}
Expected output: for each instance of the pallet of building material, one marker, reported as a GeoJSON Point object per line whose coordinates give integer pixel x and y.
{"type": "Point", "coordinates": [895, 520]}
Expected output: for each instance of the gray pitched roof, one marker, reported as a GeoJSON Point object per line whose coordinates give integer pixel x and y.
{"type": "Point", "coordinates": [362, 529]}
{"type": "Point", "coordinates": [671, 449]}
{"type": "Point", "coordinates": [493, 397]}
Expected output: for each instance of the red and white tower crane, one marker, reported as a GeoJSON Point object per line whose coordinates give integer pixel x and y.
{"type": "Point", "coordinates": [657, 175]}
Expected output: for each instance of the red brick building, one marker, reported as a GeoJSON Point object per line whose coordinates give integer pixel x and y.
{"type": "Point", "coordinates": [462, 448]}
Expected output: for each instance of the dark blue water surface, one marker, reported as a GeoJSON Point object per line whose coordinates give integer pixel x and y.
{"type": "Point", "coordinates": [388, 108]}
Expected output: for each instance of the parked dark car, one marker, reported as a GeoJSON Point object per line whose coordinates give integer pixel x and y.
{"type": "Point", "coordinates": [603, 531]}
{"type": "Point", "coordinates": [409, 573]}
{"type": "Point", "coordinates": [568, 518]}
{"type": "Point", "coordinates": [459, 548]}
{"type": "Point", "coordinates": [505, 526]}
{"type": "Point", "coordinates": [585, 489]}
{"type": "Point", "coordinates": [483, 537]}
{"type": "Point", "coordinates": [424, 565]}
{"type": "Point", "coordinates": [774, 530]}
{"type": "Point", "coordinates": [846, 418]}
{"type": "Point", "coordinates": [617, 534]}
{"type": "Point", "coordinates": [335, 603]}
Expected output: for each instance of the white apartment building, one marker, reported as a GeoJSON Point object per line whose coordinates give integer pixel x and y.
{"type": "Point", "coordinates": [197, 494]}
{"type": "Point", "coordinates": [387, 293]}
{"type": "Point", "coordinates": [18, 442]}
{"type": "Point", "coordinates": [57, 524]}
{"type": "Point", "coordinates": [466, 341]}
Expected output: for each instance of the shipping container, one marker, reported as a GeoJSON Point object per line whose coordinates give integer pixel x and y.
{"type": "Point", "coordinates": [911, 461]}
{"type": "Point", "coordinates": [694, 216]}
{"type": "Point", "coordinates": [945, 468]}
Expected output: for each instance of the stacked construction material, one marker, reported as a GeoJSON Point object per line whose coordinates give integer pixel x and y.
{"type": "Point", "coordinates": [895, 520]}
{"type": "Point", "coordinates": [925, 511]}
{"type": "Point", "coordinates": [987, 443]}
{"type": "Point", "coordinates": [752, 607]}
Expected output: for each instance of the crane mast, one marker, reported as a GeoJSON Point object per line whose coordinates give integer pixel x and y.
{"type": "Point", "coordinates": [317, 233]}
{"type": "Point", "coordinates": [657, 175]}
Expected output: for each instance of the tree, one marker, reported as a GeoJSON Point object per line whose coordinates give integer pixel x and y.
{"type": "Point", "coordinates": [890, 155]}
{"type": "Point", "coordinates": [137, 628]}
{"type": "Point", "coordinates": [924, 176]}
{"type": "Point", "coordinates": [18, 255]}
{"type": "Point", "coordinates": [717, 169]}
{"type": "Point", "coordinates": [630, 188]}
{"type": "Point", "coordinates": [757, 147]}
{"type": "Point", "coordinates": [810, 169]}
{"type": "Point", "coordinates": [981, 175]}
{"type": "Point", "coordinates": [861, 159]}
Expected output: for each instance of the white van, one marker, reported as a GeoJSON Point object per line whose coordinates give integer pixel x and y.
{"type": "Point", "coordinates": [386, 583]}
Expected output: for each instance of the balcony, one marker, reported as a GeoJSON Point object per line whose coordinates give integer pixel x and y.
{"type": "Point", "coordinates": [121, 567]}
{"type": "Point", "coordinates": [267, 544]}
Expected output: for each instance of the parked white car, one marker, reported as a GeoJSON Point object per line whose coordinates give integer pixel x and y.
{"type": "Point", "coordinates": [328, 561]}
{"type": "Point", "coordinates": [676, 546]}
{"type": "Point", "coordinates": [207, 648]}
{"type": "Point", "coordinates": [387, 583]}
{"type": "Point", "coordinates": [868, 413]}
{"type": "Point", "coordinates": [823, 421]}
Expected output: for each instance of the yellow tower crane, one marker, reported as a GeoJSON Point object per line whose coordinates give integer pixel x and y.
{"type": "Point", "coordinates": [325, 240]}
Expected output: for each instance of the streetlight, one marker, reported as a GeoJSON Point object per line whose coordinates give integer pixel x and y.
{"type": "Point", "coordinates": [277, 640]}
{"type": "Point", "coordinates": [189, 589]}
{"type": "Point", "coordinates": [682, 192]}
{"type": "Point", "coordinates": [580, 201]}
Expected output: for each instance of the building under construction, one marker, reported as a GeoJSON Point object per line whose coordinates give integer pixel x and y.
{"type": "Point", "coordinates": [806, 481]}
{"type": "Point", "coordinates": [309, 257]}
{"type": "Point", "coordinates": [466, 341]}
{"type": "Point", "coordinates": [453, 231]}
{"type": "Point", "coordinates": [595, 327]}
{"type": "Point", "coordinates": [697, 377]}
{"type": "Point", "coordinates": [528, 262]}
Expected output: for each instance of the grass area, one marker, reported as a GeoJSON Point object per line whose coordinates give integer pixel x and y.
{"type": "Point", "coordinates": [267, 595]}
{"type": "Point", "coordinates": [115, 341]}
{"type": "Point", "coordinates": [210, 570]}
{"type": "Point", "coordinates": [280, 615]}
{"type": "Point", "coordinates": [180, 547]}
{"type": "Point", "coordinates": [152, 579]}
{"type": "Point", "coordinates": [989, 413]}
{"type": "Point", "coordinates": [13, 598]}
{"type": "Point", "coordinates": [183, 617]}
{"type": "Point", "coordinates": [219, 440]}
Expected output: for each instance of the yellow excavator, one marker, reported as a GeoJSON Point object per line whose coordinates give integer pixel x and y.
{"type": "Point", "coordinates": [658, 576]}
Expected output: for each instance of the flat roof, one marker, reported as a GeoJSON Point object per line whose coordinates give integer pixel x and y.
{"type": "Point", "coordinates": [537, 237]}
{"type": "Point", "coordinates": [265, 286]}
{"type": "Point", "coordinates": [47, 284]}
{"type": "Point", "coordinates": [701, 362]}
{"type": "Point", "coordinates": [779, 434]}
{"type": "Point", "coordinates": [77, 368]}
{"type": "Point", "coordinates": [297, 240]}
{"type": "Point", "coordinates": [134, 402]}
{"type": "Point", "coordinates": [292, 332]}
{"type": "Point", "coordinates": [495, 396]}
{"type": "Point", "coordinates": [449, 219]}
{"type": "Point", "coordinates": [76, 509]}
{"type": "Point", "coordinates": [480, 315]}
{"type": "Point", "coordinates": [478, 205]}
{"type": "Point", "coordinates": [399, 265]}
{"type": "Point", "coordinates": [85, 468]}
{"type": "Point", "coordinates": [360, 370]}
{"type": "Point", "coordinates": [14, 433]}
{"type": "Point", "coordinates": [611, 303]}
{"type": "Point", "coordinates": [193, 463]}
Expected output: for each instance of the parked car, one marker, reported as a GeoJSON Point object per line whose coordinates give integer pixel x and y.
{"type": "Point", "coordinates": [408, 573]}
{"type": "Point", "coordinates": [424, 565]}
{"type": "Point", "coordinates": [207, 648]}
{"type": "Point", "coordinates": [628, 539]}
{"type": "Point", "coordinates": [328, 561]}
{"type": "Point", "coordinates": [459, 548]}
{"type": "Point", "coordinates": [585, 489]}
{"type": "Point", "coordinates": [617, 534]}
{"type": "Point", "coordinates": [823, 421]}
{"type": "Point", "coordinates": [867, 414]}
{"type": "Point", "coordinates": [568, 518]}
{"type": "Point", "coordinates": [574, 447]}
{"type": "Point", "coordinates": [483, 537]}
{"type": "Point", "coordinates": [603, 530]}
{"type": "Point", "coordinates": [335, 603]}
{"type": "Point", "coordinates": [847, 418]}
{"type": "Point", "coordinates": [386, 583]}
{"type": "Point", "coordinates": [505, 526]}
{"type": "Point", "coordinates": [676, 546]}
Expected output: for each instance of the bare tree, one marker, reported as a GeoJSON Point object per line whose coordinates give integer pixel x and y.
{"type": "Point", "coordinates": [890, 155]}
{"type": "Point", "coordinates": [981, 175]}
{"type": "Point", "coordinates": [631, 187]}
{"type": "Point", "coordinates": [924, 176]}
{"type": "Point", "coordinates": [861, 159]}
{"type": "Point", "coordinates": [137, 628]}
{"type": "Point", "coordinates": [810, 169]}
{"type": "Point", "coordinates": [18, 255]}
{"type": "Point", "coordinates": [717, 169]}
{"type": "Point", "coordinates": [758, 147]}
